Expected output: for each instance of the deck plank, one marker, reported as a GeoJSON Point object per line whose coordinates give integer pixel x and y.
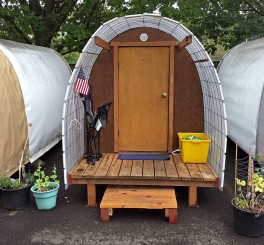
{"type": "Point", "coordinates": [148, 169]}
{"type": "Point", "coordinates": [80, 169]}
{"type": "Point", "coordinates": [206, 172]}
{"type": "Point", "coordinates": [137, 169]}
{"type": "Point", "coordinates": [194, 171]}
{"type": "Point", "coordinates": [125, 170]}
{"type": "Point", "coordinates": [114, 168]}
{"type": "Point", "coordinates": [171, 170]}
{"type": "Point", "coordinates": [91, 169]}
{"type": "Point", "coordinates": [177, 158]}
{"type": "Point", "coordinates": [104, 166]}
{"type": "Point", "coordinates": [181, 169]}
{"type": "Point", "coordinates": [159, 168]}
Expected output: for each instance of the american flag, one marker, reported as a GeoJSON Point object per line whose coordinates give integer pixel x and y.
{"type": "Point", "coordinates": [81, 85]}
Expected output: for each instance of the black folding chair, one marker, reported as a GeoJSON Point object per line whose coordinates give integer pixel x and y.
{"type": "Point", "coordinates": [95, 122]}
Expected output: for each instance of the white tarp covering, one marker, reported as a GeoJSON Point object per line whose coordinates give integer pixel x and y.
{"type": "Point", "coordinates": [43, 76]}
{"type": "Point", "coordinates": [242, 77]}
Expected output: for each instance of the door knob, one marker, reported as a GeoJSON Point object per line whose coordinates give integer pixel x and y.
{"type": "Point", "coordinates": [164, 95]}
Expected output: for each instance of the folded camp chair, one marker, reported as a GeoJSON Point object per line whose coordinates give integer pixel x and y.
{"type": "Point", "coordinates": [95, 121]}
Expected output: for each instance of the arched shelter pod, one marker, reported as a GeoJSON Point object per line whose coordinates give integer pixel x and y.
{"type": "Point", "coordinates": [33, 83]}
{"type": "Point", "coordinates": [241, 74]}
{"type": "Point", "coordinates": [194, 102]}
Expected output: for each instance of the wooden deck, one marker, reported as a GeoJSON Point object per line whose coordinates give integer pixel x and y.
{"type": "Point", "coordinates": [173, 172]}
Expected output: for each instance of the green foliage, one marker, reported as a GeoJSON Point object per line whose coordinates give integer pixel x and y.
{"type": "Point", "coordinates": [72, 58]}
{"type": "Point", "coordinates": [11, 184]}
{"type": "Point", "coordinates": [250, 196]}
{"type": "Point", "coordinates": [225, 22]}
{"type": "Point", "coordinates": [67, 25]}
{"type": "Point", "coordinates": [43, 181]}
{"type": "Point", "coordinates": [29, 178]}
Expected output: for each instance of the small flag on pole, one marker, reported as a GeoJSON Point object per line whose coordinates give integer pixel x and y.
{"type": "Point", "coordinates": [81, 85]}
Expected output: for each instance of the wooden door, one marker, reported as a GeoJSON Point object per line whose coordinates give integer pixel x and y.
{"type": "Point", "coordinates": [143, 98]}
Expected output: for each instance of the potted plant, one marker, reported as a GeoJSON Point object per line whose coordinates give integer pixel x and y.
{"type": "Point", "coordinates": [248, 203]}
{"type": "Point", "coordinates": [45, 189]}
{"type": "Point", "coordinates": [16, 192]}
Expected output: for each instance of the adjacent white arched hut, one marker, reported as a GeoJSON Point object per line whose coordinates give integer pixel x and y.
{"type": "Point", "coordinates": [241, 73]}
{"type": "Point", "coordinates": [33, 83]}
{"type": "Point", "coordinates": [175, 88]}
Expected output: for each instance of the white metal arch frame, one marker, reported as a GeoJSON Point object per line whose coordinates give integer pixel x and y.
{"type": "Point", "coordinates": [214, 107]}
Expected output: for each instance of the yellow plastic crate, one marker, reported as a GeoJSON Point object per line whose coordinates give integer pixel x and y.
{"type": "Point", "coordinates": [194, 151]}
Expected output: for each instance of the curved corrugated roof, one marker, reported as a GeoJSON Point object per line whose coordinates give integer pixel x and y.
{"type": "Point", "coordinates": [214, 109]}
{"type": "Point", "coordinates": [43, 75]}
{"type": "Point", "coordinates": [241, 73]}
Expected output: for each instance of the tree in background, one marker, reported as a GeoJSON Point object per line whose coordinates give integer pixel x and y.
{"type": "Point", "coordinates": [220, 22]}
{"type": "Point", "coordinates": [66, 25]}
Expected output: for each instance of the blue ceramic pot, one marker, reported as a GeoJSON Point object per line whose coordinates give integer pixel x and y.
{"type": "Point", "coordinates": [46, 200]}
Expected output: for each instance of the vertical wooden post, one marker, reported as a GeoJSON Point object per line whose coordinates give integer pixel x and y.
{"type": "Point", "coordinates": [249, 176]}
{"type": "Point", "coordinates": [171, 98]}
{"type": "Point", "coordinates": [193, 196]}
{"type": "Point", "coordinates": [172, 215]}
{"type": "Point", "coordinates": [116, 96]}
{"type": "Point", "coordinates": [91, 195]}
{"type": "Point", "coordinates": [251, 180]}
{"type": "Point", "coordinates": [104, 215]}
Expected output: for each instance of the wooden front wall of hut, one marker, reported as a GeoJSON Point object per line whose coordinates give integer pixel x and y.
{"type": "Point", "coordinates": [188, 111]}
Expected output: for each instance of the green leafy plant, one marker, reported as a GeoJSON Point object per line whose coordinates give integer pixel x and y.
{"type": "Point", "coordinates": [43, 181]}
{"type": "Point", "coordinates": [8, 183]}
{"type": "Point", "coordinates": [250, 194]}
{"type": "Point", "coordinates": [29, 177]}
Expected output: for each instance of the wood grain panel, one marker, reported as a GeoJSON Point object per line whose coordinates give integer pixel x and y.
{"type": "Point", "coordinates": [206, 172]}
{"type": "Point", "coordinates": [182, 169]}
{"type": "Point", "coordinates": [137, 169]}
{"type": "Point", "coordinates": [91, 169]}
{"type": "Point", "coordinates": [194, 171]}
{"type": "Point", "coordinates": [160, 172]}
{"type": "Point", "coordinates": [170, 167]}
{"type": "Point", "coordinates": [148, 169]}
{"type": "Point", "coordinates": [102, 81]}
{"type": "Point", "coordinates": [153, 35]}
{"type": "Point", "coordinates": [143, 112]}
{"type": "Point", "coordinates": [115, 167]}
{"type": "Point", "coordinates": [125, 170]}
{"type": "Point", "coordinates": [104, 166]}
{"type": "Point", "coordinates": [188, 102]}
{"type": "Point", "coordinates": [139, 197]}
{"type": "Point", "coordinates": [80, 168]}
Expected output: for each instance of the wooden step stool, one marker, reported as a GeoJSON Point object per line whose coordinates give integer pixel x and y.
{"type": "Point", "coordinates": [143, 197]}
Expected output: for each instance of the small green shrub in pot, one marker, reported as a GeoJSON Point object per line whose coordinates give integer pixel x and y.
{"type": "Point", "coordinates": [43, 181]}
{"type": "Point", "coordinates": [45, 189]}
{"type": "Point", "coordinates": [16, 192]}
{"type": "Point", "coordinates": [8, 183]}
{"type": "Point", "coordinates": [250, 196]}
